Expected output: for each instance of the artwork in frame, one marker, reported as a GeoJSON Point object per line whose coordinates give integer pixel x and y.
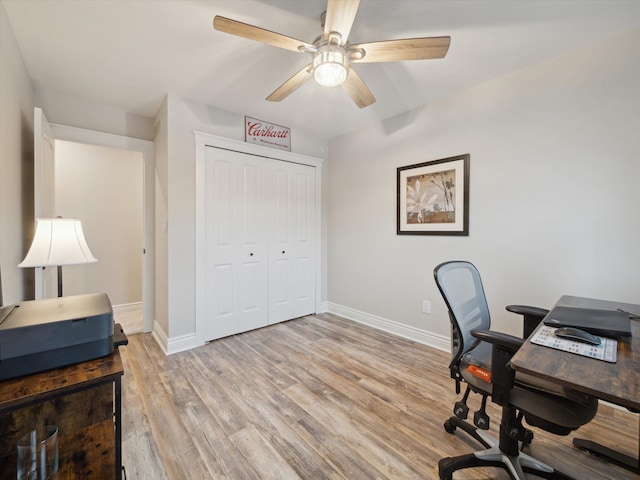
{"type": "Point", "coordinates": [433, 197]}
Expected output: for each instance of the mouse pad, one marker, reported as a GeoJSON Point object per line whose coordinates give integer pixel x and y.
{"type": "Point", "coordinates": [606, 351]}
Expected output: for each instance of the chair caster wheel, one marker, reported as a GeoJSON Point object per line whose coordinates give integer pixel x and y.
{"type": "Point", "coordinates": [449, 426]}
{"type": "Point", "coordinates": [528, 437]}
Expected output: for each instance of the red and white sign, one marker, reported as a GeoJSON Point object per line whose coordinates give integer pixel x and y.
{"type": "Point", "coordinates": [267, 134]}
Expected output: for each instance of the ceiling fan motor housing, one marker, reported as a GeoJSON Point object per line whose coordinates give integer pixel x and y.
{"type": "Point", "coordinates": [331, 61]}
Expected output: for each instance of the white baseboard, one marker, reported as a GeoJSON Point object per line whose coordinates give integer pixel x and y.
{"type": "Point", "coordinates": [126, 306]}
{"type": "Point", "coordinates": [160, 336]}
{"type": "Point", "coordinates": [173, 345]}
{"type": "Point", "coordinates": [186, 342]}
{"type": "Point", "coordinates": [181, 343]}
{"type": "Point", "coordinates": [412, 333]}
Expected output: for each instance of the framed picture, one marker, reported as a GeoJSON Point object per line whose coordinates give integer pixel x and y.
{"type": "Point", "coordinates": [433, 197]}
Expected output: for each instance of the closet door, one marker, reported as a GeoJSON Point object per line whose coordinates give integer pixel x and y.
{"type": "Point", "coordinates": [291, 245]}
{"type": "Point", "coordinates": [259, 241]}
{"type": "Point", "coordinates": [236, 242]}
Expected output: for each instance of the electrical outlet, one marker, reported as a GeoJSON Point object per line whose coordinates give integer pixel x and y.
{"type": "Point", "coordinates": [426, 306]}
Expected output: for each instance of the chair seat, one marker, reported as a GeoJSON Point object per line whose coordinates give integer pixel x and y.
{"type": "Point", "coordinates": [545, 404]}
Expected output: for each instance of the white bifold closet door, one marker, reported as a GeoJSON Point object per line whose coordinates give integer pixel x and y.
{"type": "Point", "coordinates": [260, 251]}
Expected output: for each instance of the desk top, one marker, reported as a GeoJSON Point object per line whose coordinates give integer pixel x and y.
{"type": "Point", "coordinates": [617, 383]}
{"type": "Point", "coordinates": [17, 392]}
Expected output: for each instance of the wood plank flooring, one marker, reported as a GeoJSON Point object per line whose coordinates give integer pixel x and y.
{"type": "Point", "coordinates": [129, 316]}
{"type": "Point", "coordinates": [319, 397]}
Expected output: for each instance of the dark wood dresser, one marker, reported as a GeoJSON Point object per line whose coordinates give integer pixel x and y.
{"type": "Point", "coordinates": [83, 401]}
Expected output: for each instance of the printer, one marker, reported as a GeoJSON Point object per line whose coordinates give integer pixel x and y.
{"type": "Point", "coordinates": [39, 335]}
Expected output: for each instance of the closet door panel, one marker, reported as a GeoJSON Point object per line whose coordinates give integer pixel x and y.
{"type": "Point", "coordinates": [222, 275]}
{"type": "Point", "coordinates": [301, 286]}
{"type": "Point", "coordinates": [280, 264]}
{"type": "Point", "coordinates": [303, 248]}
{"type": "Point", "coordinates": [253, 298]}
{"type": "Point", "coordinates": [223, 321]}
{"type": "Point", "coordinates": [282, 204]}
{"type": "Point", "coordinates": [292, 248]}
{"type": "Point", "coordinates": [281, 280]}
{"type": "Point", "coordinates": [236, 279]}
{"type": "Point", "coordinates": [222, 206]}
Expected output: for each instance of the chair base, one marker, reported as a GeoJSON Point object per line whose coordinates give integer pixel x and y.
{"type": "Point", "coordinates": [516, 466]}
{"type": "Point", "coordinates": [454, 422]}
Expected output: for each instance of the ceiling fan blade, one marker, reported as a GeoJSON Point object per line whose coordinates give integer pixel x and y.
{"type": "Point", "coordinates": [291, 85]}
{"type": "Point", "coordinates": [405, 49]}
{"type": "Point", "coordinates": [339, 18]}
{"type": "Point", "coordinates": [357, 90]}
{"type": "Point", "coordinates": [252, 32]}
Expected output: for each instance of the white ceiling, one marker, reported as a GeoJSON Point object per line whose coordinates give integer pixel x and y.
{"type": "Point", "coordinates": [130, 53]}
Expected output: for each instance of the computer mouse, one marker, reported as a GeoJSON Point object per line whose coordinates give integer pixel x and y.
{"type": "Point", "coordinates": [577, 335]}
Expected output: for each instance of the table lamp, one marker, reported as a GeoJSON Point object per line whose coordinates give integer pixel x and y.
{"type": "Point", "coordinates": [58, 242]}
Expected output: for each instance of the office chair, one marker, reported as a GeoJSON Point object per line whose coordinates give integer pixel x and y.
{"type": "Point", "coordinates": [480, 358]}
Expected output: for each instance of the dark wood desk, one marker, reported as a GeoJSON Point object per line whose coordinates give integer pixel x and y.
{"type": "Point", "coordinates": [83, 401]}
{"type": "Point", "coordinates": [617, 383]}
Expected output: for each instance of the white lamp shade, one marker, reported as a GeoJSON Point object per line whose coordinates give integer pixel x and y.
{"type": "Point", "coordinates": [58, 241]}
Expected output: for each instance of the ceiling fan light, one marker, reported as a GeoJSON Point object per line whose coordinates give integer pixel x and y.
{"type": "Point", "coordinates": [330, 66]}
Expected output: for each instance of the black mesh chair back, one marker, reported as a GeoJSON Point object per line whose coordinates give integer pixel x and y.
{"type": "Point", "coordinates": [461, 287]}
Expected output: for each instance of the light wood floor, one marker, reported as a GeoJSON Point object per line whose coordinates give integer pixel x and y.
{"type": "Point", "coordinates": [130, 317]}
{"type": "Point", "coordinates": [315, 398]}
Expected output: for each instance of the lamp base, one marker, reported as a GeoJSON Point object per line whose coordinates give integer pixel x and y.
{"type": "Point", "coordinates": [59, 281]}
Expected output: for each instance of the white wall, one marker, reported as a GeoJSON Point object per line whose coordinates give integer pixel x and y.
{"type": "Point", "coordinates": [183, 117]}
{"type": "Point", "coordinates": [102, 187]}
{"type": "Point", "coordinates": [75, 112]}
{"type": "Point", "coordinates": [553, 192]}
{"type": "Point", "coordinates": [16, 166]}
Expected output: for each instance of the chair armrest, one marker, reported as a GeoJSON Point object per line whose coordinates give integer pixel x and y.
{"type": "Point", "coordinates": [527, 310]}
{"type": "Point", "coordinates": [532, 317]}
{"type": "Point", "coordinates": [504, 346]}
{"type": "Point", "coordinates": [504, 341]}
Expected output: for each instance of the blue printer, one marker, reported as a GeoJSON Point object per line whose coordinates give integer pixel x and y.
{"type": "Point", "coordinates": [39, 335]}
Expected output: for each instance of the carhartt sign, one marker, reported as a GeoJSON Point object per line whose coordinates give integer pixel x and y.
{"type": "Point", "coordinates": [267, 134]}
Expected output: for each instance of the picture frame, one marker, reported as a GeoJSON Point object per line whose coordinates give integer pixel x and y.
{"type": "Point", "coordinates": [433, 197]}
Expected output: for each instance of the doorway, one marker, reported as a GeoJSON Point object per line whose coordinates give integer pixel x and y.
{"type": "Point", "coordinates": [147, 247]}
{"type": "Point", "coordinates": [102, 187]}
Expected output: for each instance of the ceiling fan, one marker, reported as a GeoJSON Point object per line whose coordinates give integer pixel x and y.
{"type": "Point", "coordinates": [332, 54]}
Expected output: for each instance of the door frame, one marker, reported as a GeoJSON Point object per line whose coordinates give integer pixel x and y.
{"type": "Point", "coordinates": [147, 149]}
{"type": "Point", "coordinates": [204, 140]}
{"type": "Point", "coordinates": [44, 188]}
